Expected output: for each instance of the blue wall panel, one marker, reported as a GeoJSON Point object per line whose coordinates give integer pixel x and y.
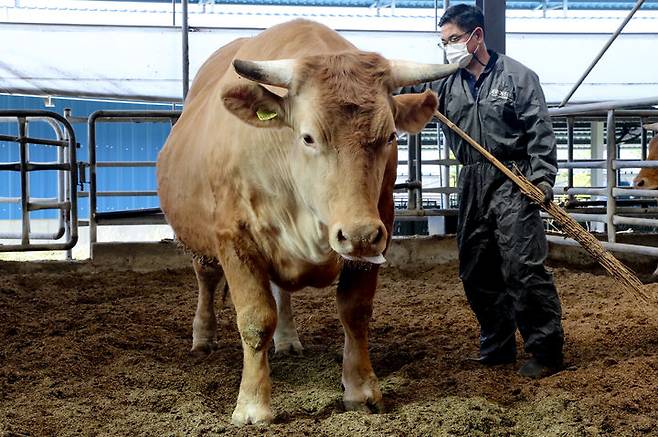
{"type": "Point", "coordinates": [114, 142]}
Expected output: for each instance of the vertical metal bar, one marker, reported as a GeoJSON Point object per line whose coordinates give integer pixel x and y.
{"type": "Point", "coordinates": [446, 5]}
{"type": "Point", "coordinates": [62, 181]}
{"type": "Point", "coordinates": [411, 164]}
{"type": "Point", "coordinates": [72, 218]}
{"type": "Point", "coordinates": [570, 146]}
{"type": "Point", "coordinates": [186, 54]}
{"type": "Point", "coordinates": [602, 52]}
{"type": "Point", "coordinates": [173, 13]}
{"type": "Point", "coordinates": [436, 15]}
{"type": "Point", "coordinates": [611, 180]}
{"type": "Point", "coordinates": [91, 144]}
{"type": "Point", "coordinates": [62, 185]}
{"type": "Point", "coordinates": [25, 188]}
{"type": "Point", "coordinates": [643, 139]}
{"type": "Point", "coordinates": [68, 186]}
{"type": "Point", "coordinates": [445, 169]}
{"type": "Point", "coordinates": [419, 169]}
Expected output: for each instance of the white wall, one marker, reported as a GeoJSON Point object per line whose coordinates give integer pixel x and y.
{"type": "Point", "coordinates": [144, 62]}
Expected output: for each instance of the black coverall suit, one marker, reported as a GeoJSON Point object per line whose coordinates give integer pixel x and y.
{"type": "Point", "coordinates": [501, 239]}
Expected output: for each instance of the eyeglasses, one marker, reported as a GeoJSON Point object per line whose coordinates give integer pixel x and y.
{"type": "Point", "coordinates": [453, 39]}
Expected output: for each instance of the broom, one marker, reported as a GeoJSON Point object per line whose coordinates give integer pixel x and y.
{"type": "Point", "coordinates": [623, 275]}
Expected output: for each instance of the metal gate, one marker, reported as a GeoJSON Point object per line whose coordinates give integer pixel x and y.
{"type": "Point", "coordinates": [64, 180]}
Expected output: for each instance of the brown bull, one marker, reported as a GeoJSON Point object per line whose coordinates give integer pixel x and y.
{"type": "Point", "coordinates": [280, 169]}
{"type": "Point", "coordinates": [647, 179]}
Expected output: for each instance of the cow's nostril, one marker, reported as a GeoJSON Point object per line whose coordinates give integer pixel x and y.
{"type": "Point", "coordinates": [640, 183]}
{"type": "Point", "coordinates": [377, 236]}
{"type": "Point", "coordinates": [340, 236]}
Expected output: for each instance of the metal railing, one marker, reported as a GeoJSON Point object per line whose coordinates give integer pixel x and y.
{"type": "Point", "coordinates": [608, 113]}
{"type": "Point", "coordinates": [611, 113]}
{"type": "Point", "coordinates": [609, 209]}
{"type": "Point", "coordinates": [145, 216]}
{"type": "Point", "coordinates": [66, 166]}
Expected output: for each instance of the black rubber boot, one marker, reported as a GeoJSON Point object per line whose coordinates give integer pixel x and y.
{"type": "Point", "coordinates": [493, 360]}
{"type": "Point", "coordinates": [535, 369]}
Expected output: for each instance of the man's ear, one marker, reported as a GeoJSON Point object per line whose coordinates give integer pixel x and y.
{"type": "Point", "coordinates": [254, 104]}
{"type": "Point", "coordinates": [414, 111]}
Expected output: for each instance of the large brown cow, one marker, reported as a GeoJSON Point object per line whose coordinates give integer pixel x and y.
{"type": "Point", "coordinates": [647, 179]}
{"type": "Point", "coordinates": [277, 172]}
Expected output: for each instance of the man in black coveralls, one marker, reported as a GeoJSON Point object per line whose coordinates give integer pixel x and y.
{"type": "Point", "coordinates": [502, 244]}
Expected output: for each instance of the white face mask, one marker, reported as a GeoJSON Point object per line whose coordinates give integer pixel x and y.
{"type": "Point", "coordinates": [457, 53]}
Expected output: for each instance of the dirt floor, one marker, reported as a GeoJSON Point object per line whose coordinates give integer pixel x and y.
{"type": "Point", "coordinates": [106, 353]}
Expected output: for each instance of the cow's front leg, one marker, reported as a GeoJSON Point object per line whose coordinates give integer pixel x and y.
{"type": "Point", "coordinates": [256, 316]}
{"type": "Point", "coordinates": [204, 327]}
{"type": "Point", "coordinates": [286, 339]}
{"type": "Point", "coordinates": [356, 290]}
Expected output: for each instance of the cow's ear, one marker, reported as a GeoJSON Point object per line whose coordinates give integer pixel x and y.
{"type": "Point", "coordinates": [254, 104]}
{"type": "Point", "coordinates": [414, 111]}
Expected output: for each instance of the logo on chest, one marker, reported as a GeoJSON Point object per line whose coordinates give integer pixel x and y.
{"type": "Point", "coordinates": [498, 94]}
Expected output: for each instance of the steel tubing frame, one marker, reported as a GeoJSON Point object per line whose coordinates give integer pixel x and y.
{"type": "Point", "coordinates": [611, 112]}
{"type": "Point", "coordinates": [116, 116]}
{"type": "Point", "coordinates": [66, 166]}
{"type": "Point", "coordinates": [614, 247]}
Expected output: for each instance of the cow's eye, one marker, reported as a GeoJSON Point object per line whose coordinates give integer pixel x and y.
{"type": "Point", "coordinates": [392, 137]}
{"type": "Point", "coordinates": [308, 140]}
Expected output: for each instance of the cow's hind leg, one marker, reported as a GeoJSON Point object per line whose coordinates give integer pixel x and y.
{"type": "Point", "coordinates": [256, 316]}
{"type": "Point", "coordinates": [204, 327]}
{"type": "Point", "coordinates": [356, 290]}
{"type": "Point", "coordinates": [286, 340]}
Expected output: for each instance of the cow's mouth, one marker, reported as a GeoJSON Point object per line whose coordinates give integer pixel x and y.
{"type": "Point", "coordinates": [378, 259]}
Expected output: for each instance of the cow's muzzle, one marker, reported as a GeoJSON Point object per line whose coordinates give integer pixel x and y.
{"type": "Point", "coordinates": [644, 183]}
{"type": "Point", "coordinates": [363, 240]}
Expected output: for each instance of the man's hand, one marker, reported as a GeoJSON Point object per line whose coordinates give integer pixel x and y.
{"type": "Point", "coordinates": [547, 189]}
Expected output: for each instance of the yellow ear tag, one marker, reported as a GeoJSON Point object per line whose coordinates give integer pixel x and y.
{"type": "Point", "coordinates": [264, 115]}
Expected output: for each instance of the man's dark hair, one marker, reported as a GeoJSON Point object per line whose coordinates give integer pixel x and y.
{"type": "Point", "coordinates": [466, 17]}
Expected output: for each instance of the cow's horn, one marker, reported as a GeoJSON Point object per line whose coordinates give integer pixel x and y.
{"type": "Point", "coordinates": [652, 126]}
{"type": "Point", "coordinates": [276, 73]}
{"type": "Point", "coordinates": [412, 73]}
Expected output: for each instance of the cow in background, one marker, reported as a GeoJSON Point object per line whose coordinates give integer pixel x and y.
{"type": "Point", "coordinates": [647, 179]}
{"type": "Point", "coordinates": [279, 175]}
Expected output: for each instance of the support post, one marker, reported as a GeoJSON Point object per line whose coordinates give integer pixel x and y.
{"type": "Point", "coordinates": [411, 165]}
{"type": "Point", "coordinates": [25, 180]}
{"type": "Point", "coordinates": [643, 139]}
{"type": "Point", "coordinates": [445, 169]}
{"type": "Point", "coordinates": [173, 13]}
{"type": "Point", "coordinates": [494, 23]}
{"type": "Point", "coordinates": [596, 174]}
{"type": "Point", "coordinates": [570, 146]}
{"type": "Point", "coordinates": [419, 169]}
{"type": "Point", "coordinates": [186, 53]}
{"type": "Point", "coordinates": [611, 204]}
{"type": "Point", "coordinates": [93, 189]}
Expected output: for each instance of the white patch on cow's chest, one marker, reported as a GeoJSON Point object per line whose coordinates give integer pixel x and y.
{"type": "Point", "coordinates": [284, 223]}
{"type": "Point", "coordinates": [304, 237]}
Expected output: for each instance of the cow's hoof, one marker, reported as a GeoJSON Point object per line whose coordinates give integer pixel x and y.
{"type": "Point", "coordinates": [251, 415]}
{"type": "Point", "coordinates": [203, 349]}
{"type": "Point", "coordinates": [288, 348]}
{"type": "Point", "coordinates": [370, 406]}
